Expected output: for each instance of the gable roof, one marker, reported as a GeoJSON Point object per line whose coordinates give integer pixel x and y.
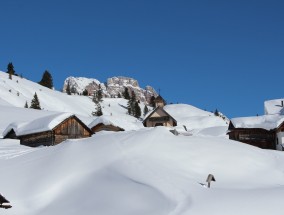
{"type": "Point", "coordinates": [42, 124]}
{"type": "Point", "coordinates": [267, 122]}
{"type": "Point", "coordinates": [153, 111]}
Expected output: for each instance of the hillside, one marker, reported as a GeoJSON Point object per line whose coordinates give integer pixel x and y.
{"type": "Point", "coordinates": [14, 94]}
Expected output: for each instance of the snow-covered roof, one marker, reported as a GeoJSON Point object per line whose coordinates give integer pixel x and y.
{"type": "Point", "coordinates": [42, 124]}
{"type": "Point", "coordinates": [266, 122]}
{"type": "Point", "coordinates": [274, 107]}
{"type": "Point", "coordinates": [115, 121]}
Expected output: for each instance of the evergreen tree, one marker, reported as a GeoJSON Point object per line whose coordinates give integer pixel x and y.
{"type": "Point", "coordinates": [68, 90]}
{"type": "Point", "coordinates": [35, 103]}
{"type": "Point", "coordinates": [152, 101]}
{"type": "Point", "coordinates": [85, 92]}
{"type": "Point", "coordinates": [131, 104]}
{"type": "Point", "coordinates": [118, 95]}
{"type": "Point", "coordinates": [126, 93]}
{"type": "Point", "coordinates": [137, 110]}
{"type": "Point", "coordinates": [216, 113]}
{"type": "Point", "coordinates": [100, 94]}
{"type": "Point", "coordinates": [146, 110]}
{"type": "Point", "coordinates": [46, 80]}
{"type": "Point", "coordinates": [98, 111]}
{"type": "Point", "coordinates": [10, 70]}
{"type": "Point", "coordinates": [26, 105]}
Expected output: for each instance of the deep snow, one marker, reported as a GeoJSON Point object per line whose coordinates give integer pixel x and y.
{"type": "Point", "coordinates": [149, 171]}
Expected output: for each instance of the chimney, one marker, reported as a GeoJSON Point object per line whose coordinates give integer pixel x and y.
{"type": "Point", "coordinates": [282, 103]}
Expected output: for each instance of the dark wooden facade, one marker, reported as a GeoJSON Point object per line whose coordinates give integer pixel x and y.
{"type": "Point", "coordinates": [71, 128]}
{"type": "Point", "coordinates": [253, 136]}
{"type": "Point", "coordinates": [103, 127]}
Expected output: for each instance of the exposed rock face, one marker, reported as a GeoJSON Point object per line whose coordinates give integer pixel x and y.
{"type": "Point", "coordinates": [112, 88]}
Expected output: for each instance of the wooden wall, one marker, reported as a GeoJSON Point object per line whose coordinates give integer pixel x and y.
{"type": "Point", "coordinates": [38, 139]}
{"type": "Point", "coordinates": [102, 127]}
{"type": "Point", "coordinates": [254, 136]}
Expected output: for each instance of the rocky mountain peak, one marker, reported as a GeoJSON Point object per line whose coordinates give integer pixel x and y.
{"type": "Point", "coordinates": [111, 88]}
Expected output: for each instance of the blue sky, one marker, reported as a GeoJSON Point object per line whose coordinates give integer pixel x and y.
{"type": "Point", "coordinates": [211, 54]}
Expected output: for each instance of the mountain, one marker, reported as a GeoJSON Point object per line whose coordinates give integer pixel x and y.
{"type": "Point", "coordinates": [111, 88]}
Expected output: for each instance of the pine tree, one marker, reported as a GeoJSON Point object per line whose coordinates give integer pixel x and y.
{"type": "Point", "coordinates": [68, 90]}
{"type": "Point", "coordinates": [152, 101]}
{"type": "Point", "coordinates": [126, 93]}
{"type": "Point", "coordinates": [131, 104]}
{"type": "Point", "coordinates": [35, 103]}
{"type": "Point", "coordinates": [10, 70]}
{"type": "Point", "coordinates": [118, 95]}
{"type": "Point", "coordinates": [100, 94]}
{"type": "Point", "coordinates": [26, 105]}
{"type": "Point", "coordinates": [216, 113]}
{"type": "Point", "coordinates": [146, 110]}
{"type": "Point", "coordinates": [98, 111]}
{"type": "Point", "coordinates": [46, 80]}
{"type": "Point", "coordinates": [85, 92]}
{"type": "Point", "coordinates": [137, 110]}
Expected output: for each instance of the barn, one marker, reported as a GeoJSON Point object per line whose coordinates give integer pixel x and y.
{"type": "Point", "coordinates": [266, 132]}
{"type": "Point", "coordinates": [49, 130]}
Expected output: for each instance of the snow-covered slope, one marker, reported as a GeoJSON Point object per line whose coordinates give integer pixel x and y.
{"type": "Point", "coordinates": [195, 119]}
{"type": "Point", "coordinates": [149, 171]}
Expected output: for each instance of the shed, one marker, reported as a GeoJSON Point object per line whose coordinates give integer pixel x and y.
{"type": "Point", "coordinates": [106, 123]}
{"type": "Point", "coordinates": [159, 117]}
{"type": "Point", "coordinates": [49, 130]}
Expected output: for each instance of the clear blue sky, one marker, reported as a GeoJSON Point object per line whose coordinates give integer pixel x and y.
{"type": "Point", "coordinates": [224, 54]}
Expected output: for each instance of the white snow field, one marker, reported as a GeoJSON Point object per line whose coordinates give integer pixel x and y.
{"type": "Point", "coordinates": [145, 172]}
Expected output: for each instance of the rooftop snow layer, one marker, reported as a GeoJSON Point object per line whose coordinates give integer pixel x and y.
{"type": "Point", "coordinates": [46, 123]}
{"type": "Point", "coordinates": [266, 122]}
{"type": "Point", "coordinates": [274, 107]}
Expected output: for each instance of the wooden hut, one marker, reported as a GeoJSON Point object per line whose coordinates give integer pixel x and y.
{"type": "Point", "coordinates": [159, 117]}
{"type": "Point", "coordinates": [106, 123]}
{"type": "Point", "coordinates": [50, 130]}
{"type": "Point", "coordinates": [261, 131]}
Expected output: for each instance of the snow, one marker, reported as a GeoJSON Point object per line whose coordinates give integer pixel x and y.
{"type": "Point", "coordinates": [267, 122]}
{"type": "Point", "coordinates": [149, 171]}
{"type": "Point", "coordinates": [274, 107]}
{"type": "Point", "coordinates": [193, 118]}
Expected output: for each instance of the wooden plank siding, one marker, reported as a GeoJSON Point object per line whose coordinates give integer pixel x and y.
{"type": "Point", "coordinates": [103, 127]}
{"type": "Point", "coordinates": [254, 136]}
{"type": "Point", "coordinates": [38, 139]}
